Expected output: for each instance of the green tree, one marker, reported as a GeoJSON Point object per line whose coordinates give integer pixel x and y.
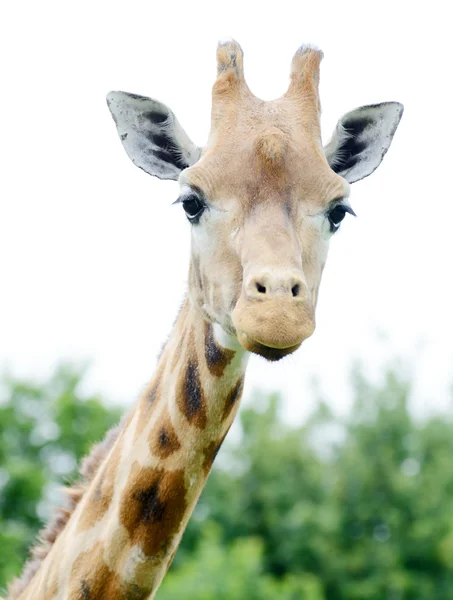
{"type": "Point", "coordinates": [232, 571]}
{"type": "Point", "coordinates": [45, 429]}
{"type": "Point", "coordinates": [364, 505]}
{"type": "Point", "coordinates": [349, 508]}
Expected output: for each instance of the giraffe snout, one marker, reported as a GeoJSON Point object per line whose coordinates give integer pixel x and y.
{"type": "Point", "coordinates": [266, 285]}
{"type": "Point", "coordinates": [274, 313]}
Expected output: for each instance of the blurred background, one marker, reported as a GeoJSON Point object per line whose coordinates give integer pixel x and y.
{"type": "Point", "coordinates": [337, 480]}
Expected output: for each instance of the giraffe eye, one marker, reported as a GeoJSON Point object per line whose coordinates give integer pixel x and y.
{"type": "Point", "coordinates": [194, 207]}
{"type": "Point", "coordinates": [337, 214]}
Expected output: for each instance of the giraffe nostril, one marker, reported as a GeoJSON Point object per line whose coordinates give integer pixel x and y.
{"type": "Point", "coordinates": [267, 285]}
{"type": "Point", "coordinates": [295, 290]}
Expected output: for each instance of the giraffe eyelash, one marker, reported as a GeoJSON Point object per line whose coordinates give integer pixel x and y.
{"type": "Point", "coordinates": [336, 213]}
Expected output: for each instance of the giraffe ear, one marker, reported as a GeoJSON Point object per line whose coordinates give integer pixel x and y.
{"type": "Point", "coordinates": [151, 135]}
{"type": "Point", "coordinates": [361, 139]}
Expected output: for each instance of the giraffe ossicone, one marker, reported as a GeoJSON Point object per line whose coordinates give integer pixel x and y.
{"type": "Point", "coordinates": [263, 197]}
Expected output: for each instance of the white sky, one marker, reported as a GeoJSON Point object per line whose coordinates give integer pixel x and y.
{"type": "Point", "coordinates": [93, 256]}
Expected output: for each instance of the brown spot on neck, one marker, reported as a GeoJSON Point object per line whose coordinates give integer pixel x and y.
{"type": "Point", "coordinates": [189, 391]}
{"type": "Point", "coordinates": [163, 438]}
{"type": "Point", "coordinates": [232, 398]}
{"type": "Point", "coordinates": [210, 454]}
{"type": "Point", "coordinates": [193, 397]}
{"type": "Point", "coordinates": [92, 579]}
{"type": "Point", "coordinates": [151, 510]}
{"type": "Point", "coordinates": [86, 594]}
{"type": "Point", "coordinates": [217, 358]}
{"type": "Point", "coordinates": [152, 507]}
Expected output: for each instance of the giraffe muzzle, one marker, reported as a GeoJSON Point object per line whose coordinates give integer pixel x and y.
{"type": "Point", "coordinates": [273, 325]}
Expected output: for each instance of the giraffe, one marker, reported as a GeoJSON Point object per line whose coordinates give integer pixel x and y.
{"type": "Point", "coordinates": [263, 199]}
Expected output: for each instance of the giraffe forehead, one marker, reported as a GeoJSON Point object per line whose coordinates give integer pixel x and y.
{"type": "Point", "coordinates": [269, 167]}
{"type": "Point", "coordinates": [271, 146]}
{"type": "Point", "coordinates": [247, 112]}
{"type": "Point", "coordinates": [259, 150]}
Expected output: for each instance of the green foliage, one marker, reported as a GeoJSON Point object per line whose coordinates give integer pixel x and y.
{"type": "Point", "coordinates": [362, 505]}
{"type": "Point", "coordinates": [233, 571]}
{"type": "Point", "coordinates": [45, 429]}
{"type": "Point", "coordinates": [336, 509]}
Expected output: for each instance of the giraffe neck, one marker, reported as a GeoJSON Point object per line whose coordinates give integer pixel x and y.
{"type": "Point", "coordinates": [123, 535]}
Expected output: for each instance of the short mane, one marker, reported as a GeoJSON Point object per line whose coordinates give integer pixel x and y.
{"type": "Point", "coordinates": [57, 522]}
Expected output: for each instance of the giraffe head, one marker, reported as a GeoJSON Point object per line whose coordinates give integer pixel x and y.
{"type": "Point", "coordinates": [263, 197]}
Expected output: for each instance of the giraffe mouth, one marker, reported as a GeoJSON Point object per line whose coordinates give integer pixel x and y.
{"type": "Point", "coordinates": [272, 328]}
{"type": "Point", "coordinates": [267, 352]}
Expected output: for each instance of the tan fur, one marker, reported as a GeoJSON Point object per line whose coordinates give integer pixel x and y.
{"type": "Point", "coordinates": [151, 523]}
{"type": "Point", "coordinates": [150, 398]}
{"type": "Point", "coordinates": [256, 265]}
{"type": "Point", "coordinates": [265, 171]}
{"type": "Point", "coordinates": [92, 578]}
{"type": "Point", "coordinates": [103, 491]}
{"type": "Point", "coordinates": [163, 438]}
{"type": "Point", "coordinates": [57, 523]}
{"type": "Point", "coordinates": [217, 359]}
{"type": "Point", "coordinates": [189, 392]}
{"type": "Point", "coordinates": [141, 484]}
{"type": "Point", "coordinates": [270, 145]}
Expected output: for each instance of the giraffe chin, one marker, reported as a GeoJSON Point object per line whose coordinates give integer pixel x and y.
{"type": "Point", "coordinates": [267, 352]}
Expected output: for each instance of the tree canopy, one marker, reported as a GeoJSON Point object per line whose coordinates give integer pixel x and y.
{"type": "Point", "coordinates": [351, 508]}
